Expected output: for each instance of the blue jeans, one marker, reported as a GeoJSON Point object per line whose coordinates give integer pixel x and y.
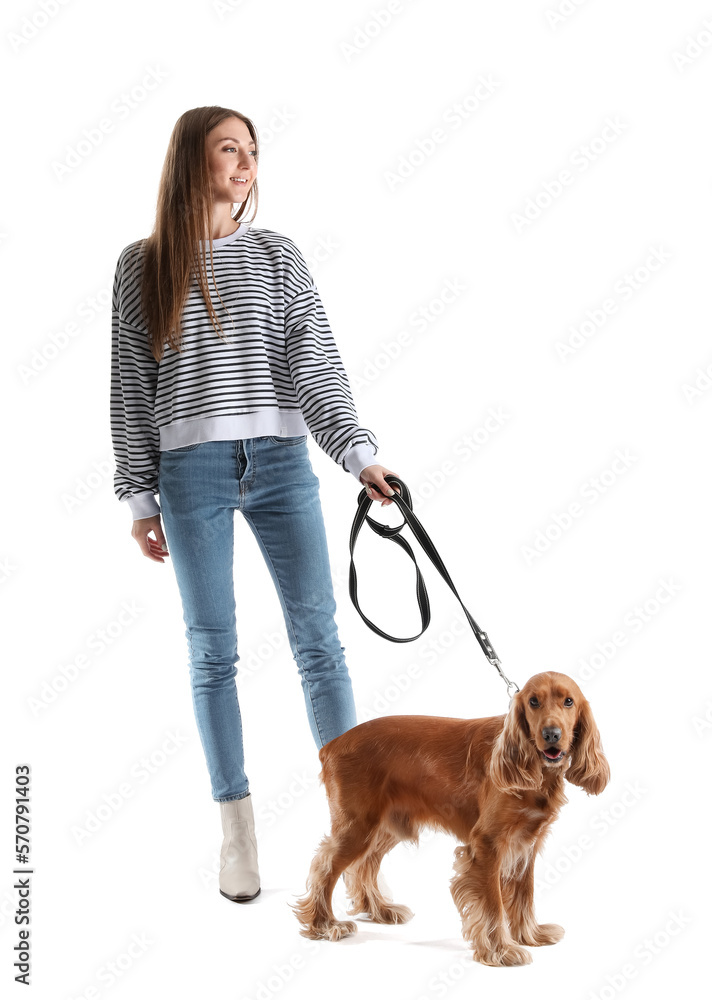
{"type": "Point", "coordinates": [271, 481]}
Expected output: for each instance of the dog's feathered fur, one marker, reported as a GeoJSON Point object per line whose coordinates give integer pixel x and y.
{"type": "Point", "coordinates": [487, 781]}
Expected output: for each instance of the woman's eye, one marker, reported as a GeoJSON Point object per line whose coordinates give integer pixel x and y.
{"type": "Point", "coordinates": [568, 702]}
{"type": "Point", "coordinates": [534, 702]}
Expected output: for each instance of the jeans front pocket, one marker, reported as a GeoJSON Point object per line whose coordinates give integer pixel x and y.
{"type": "Point", "coordinates": [299, 439]}
{"type": "Point", "coordinates": [187, 447]}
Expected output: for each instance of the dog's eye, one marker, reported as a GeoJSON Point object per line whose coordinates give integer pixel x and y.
{"type": "Point", "coordinates": [568, 702]}
{"type": "Point", "coordinates": [534, 702]}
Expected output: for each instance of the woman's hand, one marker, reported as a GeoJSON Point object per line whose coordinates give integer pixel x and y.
{"type": "Point", "coordinates": [373, 476]}
{"type": "Point", "coordinates": [154, 548]}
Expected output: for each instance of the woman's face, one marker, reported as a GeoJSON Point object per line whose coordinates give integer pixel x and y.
{"type": "Point", "coordinates": [231, 158]}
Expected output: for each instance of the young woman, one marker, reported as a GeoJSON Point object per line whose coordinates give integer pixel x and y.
{"type": "Point", "coordinates": [222, 359]}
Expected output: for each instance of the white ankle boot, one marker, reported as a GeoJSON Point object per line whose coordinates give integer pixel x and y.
{"type": "Point", "coordinates": [239, 878]}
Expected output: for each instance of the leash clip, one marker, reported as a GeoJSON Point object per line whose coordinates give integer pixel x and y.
{"type": "Point", "coordinates": [512, 688]}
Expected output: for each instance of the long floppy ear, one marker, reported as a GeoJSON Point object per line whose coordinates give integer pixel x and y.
{"type": "Point", "coordinates": [514, 764]}
{"type": "Point", "coordinates": [589, 767]}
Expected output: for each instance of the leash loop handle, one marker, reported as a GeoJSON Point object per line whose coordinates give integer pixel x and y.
{"type": "Point", "coordinates": [404, 503]}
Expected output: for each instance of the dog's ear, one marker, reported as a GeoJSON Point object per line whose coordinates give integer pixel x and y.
{"type": "Point", "coordinates": [514, 765]}
{"type": "Point", "coordinates": [589, 768]}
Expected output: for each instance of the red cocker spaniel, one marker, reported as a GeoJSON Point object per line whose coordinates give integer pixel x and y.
{"type": "Point", "coordinates": [497, 784]}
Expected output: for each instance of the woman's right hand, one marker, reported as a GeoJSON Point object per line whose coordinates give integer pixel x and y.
{"type": "Point", "coordinates": [155, 548]}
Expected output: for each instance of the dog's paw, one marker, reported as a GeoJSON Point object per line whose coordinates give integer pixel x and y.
{"type": "Point", "coordinates": [333, 931]}
{"type": "Point", "coordinates": [392, 913]}
{"type": "Point", "coordinates": [505, 954]}
{"type": "Point", "coordinates": [546, 934]}
{"type": "Point", "coordinates": [339, 929]}
{"type": "Point", "coordinates": [342, 928]}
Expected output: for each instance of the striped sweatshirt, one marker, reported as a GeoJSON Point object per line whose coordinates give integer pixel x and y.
{"type": "Point", "coordinates": [278, 374]}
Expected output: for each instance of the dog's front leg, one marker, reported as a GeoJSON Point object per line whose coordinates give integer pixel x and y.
{"type": "Point", "coordinates": [476, 891]}
{"type": "Point", "coordinates": [314, 910]}
{"type": "Point", "coordinates": [518, 899]}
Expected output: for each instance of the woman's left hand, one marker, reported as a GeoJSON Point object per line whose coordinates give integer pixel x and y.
{"type": "Point", "coordinates": [373, 476]}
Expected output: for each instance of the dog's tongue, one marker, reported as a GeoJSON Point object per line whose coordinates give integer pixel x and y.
{"type": "Point", "coordinates": [552, 753]}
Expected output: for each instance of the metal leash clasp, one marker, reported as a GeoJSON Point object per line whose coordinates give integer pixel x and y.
{"type": "Point", "coordinates": [512, 688]}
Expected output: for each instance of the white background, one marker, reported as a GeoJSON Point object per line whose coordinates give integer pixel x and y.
{"type": "Point", "coordinates": [346, 104]}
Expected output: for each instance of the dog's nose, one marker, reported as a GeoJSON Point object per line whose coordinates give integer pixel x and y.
{"type": "Point", "coordinates": [551, 734]}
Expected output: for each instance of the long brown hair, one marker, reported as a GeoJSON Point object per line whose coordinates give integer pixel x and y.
{"type": "Point", "coordinates": [184, 217]}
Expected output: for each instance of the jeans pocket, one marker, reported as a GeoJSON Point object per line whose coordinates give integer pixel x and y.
{"type": "Point", "coordinates": [299, 439]}
{"type": "Point", "coordinates": [187, 447]}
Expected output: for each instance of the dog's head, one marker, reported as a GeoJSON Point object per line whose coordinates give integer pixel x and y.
{"type": "Point", "coordinates": [549, 727]}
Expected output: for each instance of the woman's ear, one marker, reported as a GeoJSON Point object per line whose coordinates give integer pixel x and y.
{"type": "Point", "coordinates": [589, 768]}
{"type": "Point", "coordinates": [514, 765]}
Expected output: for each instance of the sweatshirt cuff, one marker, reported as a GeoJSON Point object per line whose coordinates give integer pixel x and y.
{"type": "Point", "coordinates": [357, 458]}
{"type": "Point", "coordinates": [143, 505]}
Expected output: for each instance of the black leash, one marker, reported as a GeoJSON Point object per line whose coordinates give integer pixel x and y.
{"type": "Point", "coordinates": [403, 501]}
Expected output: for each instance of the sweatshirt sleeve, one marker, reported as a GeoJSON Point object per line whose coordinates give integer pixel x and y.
{"type": "Point", "coordinates": [318, 374]}
{"type": "Point", "coordinates": [134, 377]}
